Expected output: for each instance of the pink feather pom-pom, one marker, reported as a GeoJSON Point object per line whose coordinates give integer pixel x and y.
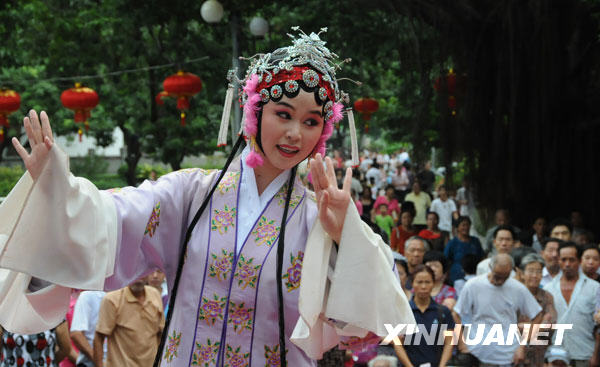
{"type": "Point", "coordinates": [337, 113]}
{"type": "Point", "coordinates": [251, 106]}
{"type": "Point", "coordinates": [254, 159]}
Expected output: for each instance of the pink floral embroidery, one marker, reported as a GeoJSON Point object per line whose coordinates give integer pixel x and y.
{"type": "Point", "coordinates": [172, 346]}
{"type": "Point", "coordinates": [265, 232]}
{"type": "Point", "coordinates": [240, 317]}
{"type": "Point", "coordinates": [229, 182]}
{"type": "Point", "coordinates": [234, 358]}
{"type": "Point", "coordinates": [246, 273]}
{"type": "Point", "coordinates": [115, 190]}
{"type": "Point", "coordinates": [212, 309]}
{"type": "Point", "coordinates": [223, 219]}
{"type": "Point", "coordinates": [220, 267]}
{"type": "Point", "coordinates": [294, 272]}
{"type": "Point", "coordinates": [153, 222]}
{"type": "Point", "coordinates": [205, 354]}
{"type": "Point", "coordinates": [272, 356]}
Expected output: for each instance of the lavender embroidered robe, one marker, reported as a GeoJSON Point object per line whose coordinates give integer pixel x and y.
{"type": "Point", "coordinates": [226, 309]}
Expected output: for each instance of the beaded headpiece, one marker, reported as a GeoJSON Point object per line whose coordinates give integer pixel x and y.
{"type": "Point", "coordinates": [306, 64]}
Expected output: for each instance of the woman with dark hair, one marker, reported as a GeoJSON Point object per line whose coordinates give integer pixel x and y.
{"type": "Point", "coordinates": [442, 293]}
{"type": "Point", "coordinates": [429, 316]}
{"type": "Point", "coordinates": [366, 199]}
{"type": "Point", "coordinates": [404, 230]}
{"type": "Point", "coordinates": [432, 233]}
{"type": "Point", "coordinates": [246, 249]}
{"type": "Point", "coordinates": [461, 245]}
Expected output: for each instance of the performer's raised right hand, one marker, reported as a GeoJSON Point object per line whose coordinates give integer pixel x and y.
{"type": "Point", "coordinates": [40, 140]}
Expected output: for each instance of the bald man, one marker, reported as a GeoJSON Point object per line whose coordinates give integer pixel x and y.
{"type": "Point", "coordinates": [496, 298]}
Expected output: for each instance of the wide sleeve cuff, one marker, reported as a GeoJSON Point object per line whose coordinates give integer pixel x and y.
{"type": "Point", "coordinates": [363, 294]}
{"type": "Point", "coordinates": [59, 228]}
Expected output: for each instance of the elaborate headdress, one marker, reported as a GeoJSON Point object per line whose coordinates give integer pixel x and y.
{"type": "Point", "coordinates": [307, 64]}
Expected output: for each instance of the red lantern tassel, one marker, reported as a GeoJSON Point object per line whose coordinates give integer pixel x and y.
{"type": "Point", "coordinates": [183, 103]}
{"type": "Point", "coordinates": [3, 120]}
{"type": "Point", "coordinates": [182, 118]}
{"type": "Point", "coordinates": [80, 133]}
{"type": "Point", "coordinates": [1, 134]}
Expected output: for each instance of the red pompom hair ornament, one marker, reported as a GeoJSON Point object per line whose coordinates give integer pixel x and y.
{"type": "Point", "coordinates": [81, 100]}
{"type": "Point", "coordinates": [10, 101]}
{"type": "Point", "coordinates": [181, 86]}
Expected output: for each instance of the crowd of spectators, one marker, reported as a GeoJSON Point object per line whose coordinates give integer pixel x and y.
{"type": "Point", "coordinates": [546, 272]}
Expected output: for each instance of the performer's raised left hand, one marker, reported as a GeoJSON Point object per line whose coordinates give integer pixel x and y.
{"type": "Point", "coordinates": [331, 200]}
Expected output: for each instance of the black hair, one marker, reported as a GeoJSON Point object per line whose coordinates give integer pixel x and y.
{"type": "Point", "coordinates": [422, 268]}
{"type": "Point", "coordinates": [519, 253]}
{"type": "Point", "coordinates": [567, 244]}
{"type": "Point", "coordinates": [403, 264]}
{"type": "Point", "coordinates": [463, 218]}
{"type": "Point", "coordinates": [469, 263]}
{"type": "Point", "coordinates": [560, 222]}
{"type": "Point", "coordinates": [408, 207]}
{"type": "Point", "coordinates": [590, 247]}
{"type": "Point", "coordinates": [526, 238]}
{"type": "Point", "coordinates": [505, 227]}
{"type": "Point", "coordinates": [434, 213]}
{"type": "Point", "coordinates": [436, 256]}
{"type": "Point", "coordinates": [547, 240]}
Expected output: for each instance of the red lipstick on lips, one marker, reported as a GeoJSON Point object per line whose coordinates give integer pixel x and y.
{"type": "Point", "coordinates": [287, 151]}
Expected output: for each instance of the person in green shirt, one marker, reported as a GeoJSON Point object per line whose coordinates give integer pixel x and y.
{"type": "Point", "coordinates": [382, 217]}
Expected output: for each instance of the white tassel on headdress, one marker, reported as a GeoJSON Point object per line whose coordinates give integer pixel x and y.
{"type": "Point", "coordinates": [222, 139]}
{"type": "Point", "coordinates": [353, 139]}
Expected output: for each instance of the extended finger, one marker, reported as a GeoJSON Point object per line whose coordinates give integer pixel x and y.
{"type": "Point", "coordinates": [347, 180]}
{"type": "Point", "coordinates": [313, 174]}
{"type": "Point", "coordinates": [323, 203]}
{"type": "Point", "coordinates": [322, 176]}
{"type": "Point", "coordinates": [19, 148]}
{"type": "Point", "coordinates": [29, 131]}
{"type": "Point", "coordinates": [331, 172]}
{"type": "Point", "coordinates": [46, 129]}
{"type": "Point", "coordinates": [35, 126]}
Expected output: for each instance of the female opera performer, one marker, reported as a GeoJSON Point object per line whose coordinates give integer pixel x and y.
{"type": "Point", "coordinates": [261, 271]}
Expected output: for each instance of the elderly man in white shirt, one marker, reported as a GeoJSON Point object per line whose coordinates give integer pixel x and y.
{"type": "Point", "coordinates": [575, 299]}
{"type": "Point", "coordinates": [496, 298]}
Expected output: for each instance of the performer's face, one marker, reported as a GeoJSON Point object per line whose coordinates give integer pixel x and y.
{"type": "Point", "coordinates": [290, 130]}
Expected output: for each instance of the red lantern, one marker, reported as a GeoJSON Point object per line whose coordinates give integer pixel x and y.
{"type": "Point", "coordinates": [182, 86]}
{"type": "Point", "coordinates": [366, 106]}
{"type": "Point", "coordinates": [81, 100]}
{"type": "Point", "coordinates": [451, 81]}
{"type": "Point", "coordinates": [10, 101]}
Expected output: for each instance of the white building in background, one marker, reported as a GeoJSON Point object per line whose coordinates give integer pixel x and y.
{"type": "Point", "coordinates": [75, 148]}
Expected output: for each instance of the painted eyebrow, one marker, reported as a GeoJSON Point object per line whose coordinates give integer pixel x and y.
{"type": "Point", "coordinates": [294, 109]}
{"type": "Point", "coordinates": [286, 105]}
